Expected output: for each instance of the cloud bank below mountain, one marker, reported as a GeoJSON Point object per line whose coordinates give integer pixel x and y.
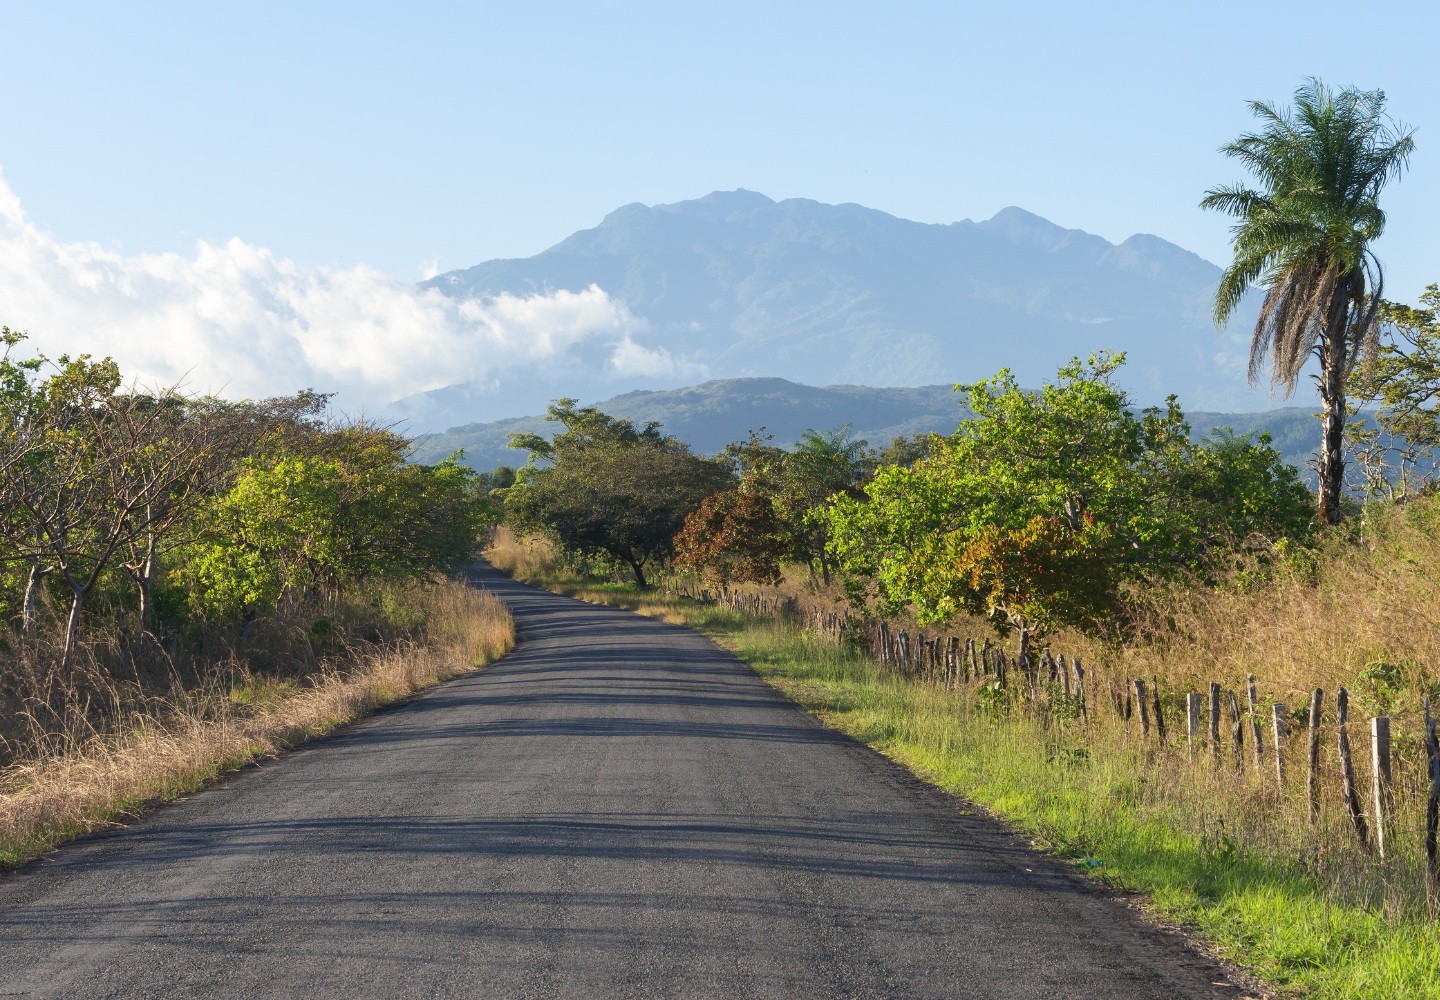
{"type": "Point", "coordinates": [239, 320]}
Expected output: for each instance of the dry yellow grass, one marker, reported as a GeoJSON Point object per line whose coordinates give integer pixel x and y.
{"type": "Point", "coordinates": [532, 557]}
{"type": "Point", "coordinates": [1369, 599]}
{"type": "Point", "coordinates": [73, 787]}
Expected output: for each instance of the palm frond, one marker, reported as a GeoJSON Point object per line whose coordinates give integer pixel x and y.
{"type": "Point", "coordinates": [1305, 233]}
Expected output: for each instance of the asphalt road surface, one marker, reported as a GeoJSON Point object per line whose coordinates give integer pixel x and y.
{"type": "Point", "coordinates": [618, 809]}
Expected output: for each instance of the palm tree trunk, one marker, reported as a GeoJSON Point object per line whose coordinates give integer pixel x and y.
{"type": "Point", "coordinates": [1332, 434]}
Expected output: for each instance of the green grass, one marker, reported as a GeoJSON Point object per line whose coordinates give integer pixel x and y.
{"type": "Point", "coordinates": [1093, 802]}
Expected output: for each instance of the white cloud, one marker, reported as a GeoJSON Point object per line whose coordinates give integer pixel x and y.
{"type": "Point", "coordinates": [236, 318]}
{"type": "Point", "coordinates": [630, 358]}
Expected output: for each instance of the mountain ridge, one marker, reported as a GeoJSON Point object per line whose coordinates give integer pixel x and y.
{"type": "Point", "coordinates": [735, 284]}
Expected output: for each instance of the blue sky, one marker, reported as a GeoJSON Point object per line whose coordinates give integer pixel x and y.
{"type": "Point", "coordinates": [409, 136]}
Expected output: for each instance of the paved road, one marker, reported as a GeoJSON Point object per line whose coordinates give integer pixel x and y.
{"type": "Point", "coordinates": [618, 809]}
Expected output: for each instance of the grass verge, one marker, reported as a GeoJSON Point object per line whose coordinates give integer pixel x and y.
{"type": "Point", "coordinates": [1159, 829]}
{"type": "Point", "coordinates": [177, 748]}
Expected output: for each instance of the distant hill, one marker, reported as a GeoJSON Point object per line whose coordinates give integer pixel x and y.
{"type": "Point", "coordinates": [711, 415]}
{"type": "Point", "coordinates": [735, 285]}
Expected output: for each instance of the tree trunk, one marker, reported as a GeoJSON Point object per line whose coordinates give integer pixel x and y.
{"type": "Point", "coordinates": [1333, 362]}
{"type": "Point", "coordinates": [32, 591]}
{"type": "Point", "coordinates": [145, 580]}
{"type": "Point", "coordinates": [638, 571]}
{"type": "Point", "coordinates": [72, 625]}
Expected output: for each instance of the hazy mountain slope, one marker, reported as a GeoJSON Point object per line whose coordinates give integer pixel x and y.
{"type": "Point", "coordinates": [737, 285]}
{"type": "Point", "coordinates": [711, 415]}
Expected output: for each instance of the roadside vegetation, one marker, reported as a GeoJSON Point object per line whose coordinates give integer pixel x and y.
{"type": "Point", "coordinates": [939, 597]}
{"type": "Point", "coordinates": [188, 584]}
{"type": "Point", "coordinates": [1223, 855]}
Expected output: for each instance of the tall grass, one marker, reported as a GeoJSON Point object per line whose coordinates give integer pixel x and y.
{"type": "Point", "coordinates": [528, 557]}
{"type": "Point", "coordinates": [96, 768]}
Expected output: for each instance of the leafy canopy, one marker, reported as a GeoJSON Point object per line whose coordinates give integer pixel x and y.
{"type": "Point", "coordinates": [1404, 375]}
{"type": "Point", "coordinates": [603, 488]}
{"type": "Point", "coordinates": [1039, 507]}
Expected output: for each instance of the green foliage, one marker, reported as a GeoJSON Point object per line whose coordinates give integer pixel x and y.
{"type": "Point", "coordinates": [1037, 510]}
{"type": "Point", "coordinates": [609, 489]}
{"type": "Point", "coordinates": [1402, 378]}
{"type": "Point", "coordinates": [798, 484]}
{"type": "Point", "coordinates": [907, 450]}
{"type": "Point", "coordinates": [1404, 375]}
{"type": "Point", "coordinates": [299, 524]}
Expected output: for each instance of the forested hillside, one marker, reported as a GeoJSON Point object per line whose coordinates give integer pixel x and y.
{"type": "Point", "coordinates": [711, 415]}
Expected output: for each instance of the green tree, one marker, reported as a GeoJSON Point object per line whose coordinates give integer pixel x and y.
{"type": "Point", "coordinates": [906, 450]}
{"type": "Point", "coordinates": [1403, 378]}
{"type": "Point", "coordinates": [19, 439]}
{"type": "Point", "coordinates": [799, 483]}
{"type": "Point", "coordinates": [602, 487]}
{"type": "Point", "coordinates": [1040, 506]}
{"type": "Point", "coordinates": [71, 493]}
{"type": "Point", "coordinates": [1306, 237]}
{"type": "Point", "coordinates": [300, 525]}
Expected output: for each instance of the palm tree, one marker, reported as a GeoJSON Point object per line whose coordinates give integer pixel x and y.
{"type": "Point", "coordinates": [820, 466]}
{"type": "Point", "coordinates": [1306, 237]}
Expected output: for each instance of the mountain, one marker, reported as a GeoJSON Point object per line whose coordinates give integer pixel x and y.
{"type": "Point", "coordinates": [711, 415]}
{"type": "Point", "coordinates": [737, 285]}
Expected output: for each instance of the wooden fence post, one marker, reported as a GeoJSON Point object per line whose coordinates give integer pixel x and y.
{"type": "Point", "coordinates": [1080, 690]}
{"type": "Point", "coordinates": [1432, 800]}
{"type": "Point", "coordinates": [1255, 724]}
{"type": "Point", "coordinates": [1312, 773]}
{"type": "Point", "coordinates": [1192, 720]}
{"type": "Point", "coordinates": [1380, 759]}
{"type": "Point", "coordinates": [1347, 766]}
{"type": "Point", "coordinates": [1155, 704]}
{"type": "Point", "coordinates": [1144, 709]}
{"type": "Point", "coordinates": [1277, 718]}
{"type": "Point", "coordinates": [1215, 721]}
{"type": "Point", "coordinates": [1237, 732]}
